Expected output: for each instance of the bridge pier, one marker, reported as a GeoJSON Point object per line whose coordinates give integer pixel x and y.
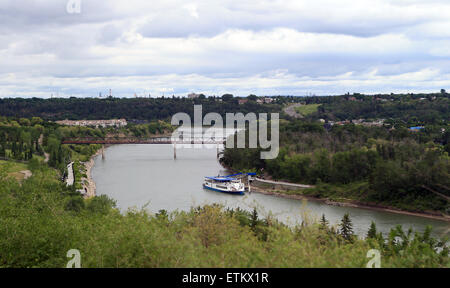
{"type": "Point", "coordinates": [175, 151]}
{"type": "Point", "coordinates": [103, 152]}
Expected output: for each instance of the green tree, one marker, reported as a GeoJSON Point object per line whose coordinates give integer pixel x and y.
{"type": "Point", "coordinates": [101, 204]}
{"type": "Point", "coordinates": [346, 230]}
{"type": "Point", "coordinates": [75, 204]}
{"type": "Point", "coordinates": [372, 233]}
{"type": "Point", "coordinates": [323, 223]}
{"type": "Point", "coordinates": [227, 97]}
{"type": "Point", "coordinates": [254, 220]}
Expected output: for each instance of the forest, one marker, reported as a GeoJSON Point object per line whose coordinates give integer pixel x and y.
{"type": "Point", "coordinates": [41, 219]}
{"type": "Point", "coordinates": [386, 164]}
{"type": "Point", "coordinates": [129, 108]}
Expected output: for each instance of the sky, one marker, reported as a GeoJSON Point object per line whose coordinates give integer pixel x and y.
{"type": "Point", "coordinates": [82, 48]}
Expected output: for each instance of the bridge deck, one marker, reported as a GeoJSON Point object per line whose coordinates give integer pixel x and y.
{"type": "Point", "coordinates": [165, 140]}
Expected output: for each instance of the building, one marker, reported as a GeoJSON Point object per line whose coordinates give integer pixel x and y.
{"type": "Point", "coordinates": [266, 100]}
{"type": "Point", "coordinates": [242, 101]}
{"type": "Point", "coordinates": [95, 123]}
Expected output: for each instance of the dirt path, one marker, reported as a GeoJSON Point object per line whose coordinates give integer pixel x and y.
{"type": "Point", "coordinates": [290, 110]}
{"type": "Point", "coordinates": [283, 183]}
{"type": "Point", "coordinates": [46, 155]}
{"type": "Point", "coordinates": [26, 174]}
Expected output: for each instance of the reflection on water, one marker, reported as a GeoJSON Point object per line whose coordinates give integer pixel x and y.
{"type": "Point", "coordinates": [147, 175]}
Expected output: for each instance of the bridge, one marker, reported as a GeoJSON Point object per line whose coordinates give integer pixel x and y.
{"type": "Point", "coordinates": [136, 140]}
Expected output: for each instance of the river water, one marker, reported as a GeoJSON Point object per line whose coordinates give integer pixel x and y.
{"type": "Point", "coordinates": [138, 176]}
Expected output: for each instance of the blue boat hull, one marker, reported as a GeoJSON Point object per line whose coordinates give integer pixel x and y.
{"type": "Point", "coordinates": [227, 192]}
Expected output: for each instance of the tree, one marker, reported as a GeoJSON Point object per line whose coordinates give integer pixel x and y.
{"type": "Point", "coordinates": [323, 223]}
{"type": "Point", "coordinates": [443, 91]}
{"type": "Point", "coordinates": [372, 233]}
{"type": "Point", "coordinates": [101, 204]}
{"type": "Point", "coordinates": [227, 97]}
{"type": "Point", "coordinates": [254, 220]}
{"type": "Point", "coordinates": [252, 97]}
{"type": "Point", "coordinates": [75, 204]}
{"type": "Point", "coordinates": [346, 228]}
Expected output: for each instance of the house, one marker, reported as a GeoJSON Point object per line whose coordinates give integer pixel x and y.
{"type": "Point", "coordinates": [266, 100]}
{"type": "Point", "coordinates": [242, 101]}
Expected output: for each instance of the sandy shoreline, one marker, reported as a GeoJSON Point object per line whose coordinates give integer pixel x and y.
{"type": "Point", "coordinates": [90, 187]}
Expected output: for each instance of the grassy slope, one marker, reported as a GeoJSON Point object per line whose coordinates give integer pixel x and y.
{"type": "Point", "coordinates": [306, 110]}
{"type": "Point", "coordinates": [13, 169]}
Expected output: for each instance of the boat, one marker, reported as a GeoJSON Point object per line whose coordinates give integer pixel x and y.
{"type": "Point", "coordinates": [225, 184]}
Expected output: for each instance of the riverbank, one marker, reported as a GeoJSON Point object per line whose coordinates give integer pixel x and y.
{"type": "Point", "coordinates": [289, 193]}
{"type": "Point", "coordinates": [349, 203]}
{"type": "Point", "coordinates": [89, 184]}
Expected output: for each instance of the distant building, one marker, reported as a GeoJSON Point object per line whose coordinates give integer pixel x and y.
{"type": "Point", "coordinates": [266, 100]}
{"type": "Point", "coordinates": [242, 101]}
{"type": "Point", "coordinates": [375, 123]}
{"type": "Point", "coordinates": [94, 123]}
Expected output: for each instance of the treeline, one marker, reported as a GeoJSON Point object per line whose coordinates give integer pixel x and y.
{"type": "Point", "coordinates": [399, 109]}
{"type": "Point", "coordinates": [400, 169]}
{"type": "Point", "coordinates": [19, 140]}
{"type": "Point", "coordinates": [128, 108]}
{"type": "Point", "coordinates": [41, 220]}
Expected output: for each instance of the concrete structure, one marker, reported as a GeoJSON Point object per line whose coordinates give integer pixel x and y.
{"type": "Point", "coordinates": [70, 178]}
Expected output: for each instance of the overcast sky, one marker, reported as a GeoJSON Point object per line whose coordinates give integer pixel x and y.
{"type": "Point", "coordinates": [265, 47]}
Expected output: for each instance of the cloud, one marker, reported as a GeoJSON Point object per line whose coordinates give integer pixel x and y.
{"type": "Point", "coordinates": [265, 46]}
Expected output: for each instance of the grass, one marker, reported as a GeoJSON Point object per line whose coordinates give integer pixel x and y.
{"type": "Point", "coordinates": [306, 110]}
{"type": "Point", "coordinates": [13, 169]}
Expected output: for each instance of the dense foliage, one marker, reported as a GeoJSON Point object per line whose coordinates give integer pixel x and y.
{"type": "Point", "coordinates": [128, 108]}
{"type": "Point", "coordinates": [386, 164]}
{"type": "Point", "coordinates": [41, 220]}
{"type": "Point", "coordinates": [403, 109]}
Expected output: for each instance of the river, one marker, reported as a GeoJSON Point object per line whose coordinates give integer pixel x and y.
{"type": "Point", "coordinates": [138, 176]}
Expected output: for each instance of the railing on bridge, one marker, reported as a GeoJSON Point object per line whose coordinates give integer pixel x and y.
{"type": "Point", "coordinates": [135, 140]}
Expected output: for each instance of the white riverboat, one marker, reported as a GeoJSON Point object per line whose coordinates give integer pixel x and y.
{"type": "Point", "coordinates": [225, 184]}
